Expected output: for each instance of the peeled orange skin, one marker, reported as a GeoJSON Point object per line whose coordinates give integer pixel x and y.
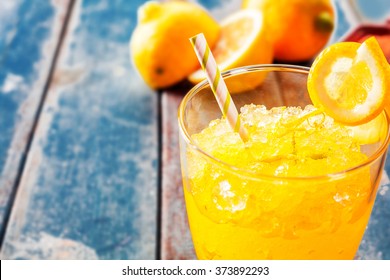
{"type": "Point", "coordinates": [359, 87]}
{"type": "Point", "coordinates": [159, 46]}
{"type": "Point", "coordinates": [300, 28]}
{"type": "Point", "coordinates": [243, 41]}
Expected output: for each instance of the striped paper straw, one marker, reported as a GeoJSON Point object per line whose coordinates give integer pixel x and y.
{"type": "Point", "coordinates": [217, 84]}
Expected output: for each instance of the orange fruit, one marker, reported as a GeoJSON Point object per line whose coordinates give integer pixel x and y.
{"type": "Point", "coordinates": [159, 46]}
{"type": "Point", "coordinates": [242, 41]}
{"type": "Point", "coordinates": [350, 81]}
{"type": "Point", "coordinates": [299, 28]}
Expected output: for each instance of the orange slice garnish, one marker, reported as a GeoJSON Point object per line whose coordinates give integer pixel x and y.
{"type": "Point", "coordinates": [371, 132]}
{"type": "Point", "coordinates": [350, 81]}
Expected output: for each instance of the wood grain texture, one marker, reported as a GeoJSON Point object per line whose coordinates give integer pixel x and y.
{"type": "Point", "coordinates": [176, 242]}
{"type": "Point", "coordinates": [29, 34]}
{"type": "Point", "coordinates": [376, 243]}
{"type": "Point", "coordinates": [175, 235]}
{"type": "Point", "coordinates": [88, 190]}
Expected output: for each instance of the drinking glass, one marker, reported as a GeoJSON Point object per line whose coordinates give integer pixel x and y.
{"type": "Point", "coordinates": [236, 214]}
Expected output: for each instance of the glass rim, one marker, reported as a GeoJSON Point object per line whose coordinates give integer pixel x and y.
{"type": "Point", "coordinates": [248, 173]}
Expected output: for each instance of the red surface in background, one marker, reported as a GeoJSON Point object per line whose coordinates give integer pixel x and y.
{"type": "Point", "coordinates": [381, 33]}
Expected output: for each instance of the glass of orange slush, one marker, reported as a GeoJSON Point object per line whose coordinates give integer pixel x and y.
{"type": "Point", "coordinates": [301, 187]}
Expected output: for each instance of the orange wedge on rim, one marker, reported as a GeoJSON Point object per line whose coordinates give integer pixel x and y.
{"type": "Point", "coordinates": [350, 81]}
{"type": "Point", "coordinates": [371, 132]}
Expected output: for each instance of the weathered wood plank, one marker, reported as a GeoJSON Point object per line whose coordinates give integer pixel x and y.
{"type": "Point", "coordinates": [176, 242]}
{"type": "Point", "coordinates": [376, 244]}
{"type": "Point", "coordinates": [29, 34]}
{"type": "Point", "coordinates": [89, 186]}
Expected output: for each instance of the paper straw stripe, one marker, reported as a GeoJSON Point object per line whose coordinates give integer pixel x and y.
{"type": "Point", "coordinates": [205, 58]}
{"type": "Point", "coordinates": [217, 84]}
{"type": "Point", "coordinates": [226, 108]}
{"type": "Point", "coordinates": [238, 125]}
{"type": "Point", "coordinates": [216, 79]}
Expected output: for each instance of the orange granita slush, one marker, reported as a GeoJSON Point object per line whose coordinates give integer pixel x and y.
{"type": "Point", "coordinates": [271, 197]}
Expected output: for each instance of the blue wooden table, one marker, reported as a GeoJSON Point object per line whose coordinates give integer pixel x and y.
{"type": "Point", "coordinates": [89, 165]}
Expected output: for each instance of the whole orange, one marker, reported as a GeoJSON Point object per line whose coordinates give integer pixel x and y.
{"type": "Point", "coordinates": [159, 45]}
{"type": "Point", "coordinates": [299, 28]}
